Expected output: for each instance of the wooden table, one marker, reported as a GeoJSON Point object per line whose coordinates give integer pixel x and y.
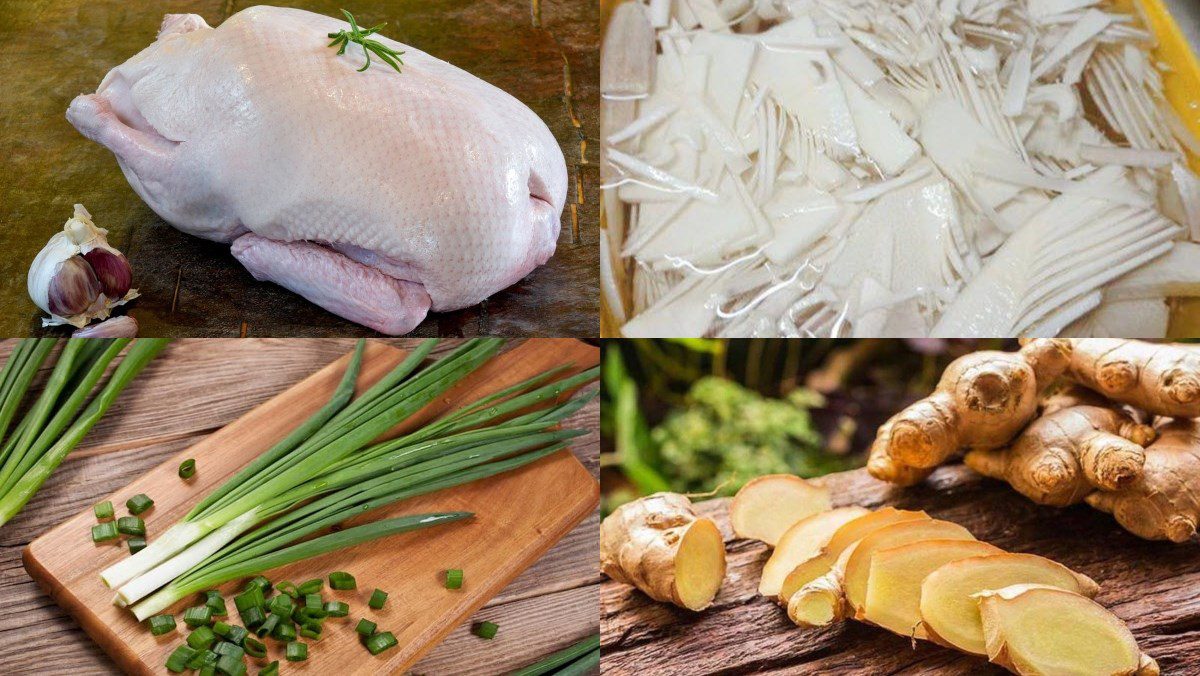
{"type": "Point", "coordinates": [194, 388]}
{"type": "Point", "coordinates": [546, 54]}
{"type": "Point", "coordinates": [1153, 586]}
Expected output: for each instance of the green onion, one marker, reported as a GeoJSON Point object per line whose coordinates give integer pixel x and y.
{"type": "Point", "coordinates": [187, 469]}
{"type": "Point", "coordinates": [177, 661]}
{"type": "Point", "coordinates": [365, 627]}
{"type": "Point", "coordinates": [272, 512]}
{"type": "Point", "coordinates": [105, 531]}
{"type": "Point", "coordinates": [231, 665]}
{"type": "Point", "coordinates": [255, 648]}
{"type": "Point", "coordinates": [62, 414]}
{"type": "Point", "coordinates": [131, 525]}
{"type": "Point", "coordinates": [139, 503]}
{"type": "Point", "coordinates": [268, 625]}
{"type": "Point", "coordinates": [197, 659]}
{"type": "Point", "coordinates": [136, 544]}
{"type": "Point", "coordinates": [263, 584]}
{"type": "Point", "coordinates": [281, 605]}
{"type": "Point", "coordinates": [230, 648]}
{"type": "Point", "coordinates": [202, 637]}
{"type": "Point", "coordinates": [378, 598]}
{"type": "Point", "coordinates": [288, 588]}
{"type": "Point", "coordinates": [454, 578]}
{"type": "Point", "coordinates": [313, 586]}
{"type": "Point", "coordinates": [104, 510]}
{"type": "Point", "coordinates": [238, 635]}
{"type": "Point", "coordinates": [271, 669]}
{"type": "Point", "coordinates": [337, 609]}
{"type": "Point", "coordinates": [197, 615]}
{"type": "Point", "coordinates": [313, 601]}
{"type": "Point", "coordinates": [584, 665]}
{"type": "Point", "coordinates": [253, 616]}
{"type": "Point", "coordinates": [341, 580]}
{"type": "Point", "coordinates": [561, 658]}
{"type": "Point", "coordinates": [311, 630]}
{"type": "Point", "coordinates": [485, 630]}
{"type": "Point", "coordinates": [251, 598]}
{"type": "Point", "coordinates": [380, 642]}
{"type": "Point", "coordinates": [208, 662]}
{"type": "Point", "coordinates": [285, 632]}
{"type": "Point", "coordinates": [161, 624]}
{"type": "Point", "coordinates": [296, 651]}
{"type": "Point", "coordinates": [222, 628]}
{"type": "Point", "coordinates": [214, 600]}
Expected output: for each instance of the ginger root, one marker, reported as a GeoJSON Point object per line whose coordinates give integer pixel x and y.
{"type": "Point", "coordinates": [949, 610]}
{"type": "Point", "coordinates": [1161, 379]}
{"type": "Point", "coordinates": [768, 505]}
{"type": "Point", "coordinates": [659, 545]}
{"type": "Point", "coordinates": [982, 400]}
{"type": "Point", "coordinates": [1164, 503]}
{"type": "Point", "coordinates": [1064, 456]}
{"type": "Point", "coordinates": [1037, 630]}
{"type": "Point", "coordinates": [804, 540]}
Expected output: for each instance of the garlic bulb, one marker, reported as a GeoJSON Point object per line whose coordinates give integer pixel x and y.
{"type": "Point", "coordinates": [114, 327]}
{"type": "Point", "coordinates": [77, 276]}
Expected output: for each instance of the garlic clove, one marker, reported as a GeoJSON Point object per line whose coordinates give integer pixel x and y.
{"type": "Point", "coordinates": [112, 270]}
{"type": "Point", "coordinates": [73, 288]}
{"type": "Point", "coordinates": [115, 327]}
{"type": "Point", "coordinates": [77, 276]}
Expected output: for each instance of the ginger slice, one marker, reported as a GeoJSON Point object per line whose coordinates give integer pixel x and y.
{"type": "Point", "coordinates": [858, 564]}
{"type": "Point", "coordinates": [767, 506]}
{"type": "Point", "coordinates": [1044, 631]}
{"type": "Point", "coordinates": [949, 611]}
{"type": "Point", "coordinates": [814, 567]}
{"type": "Point", "coordinates": [659, 545]}
{"type": "Point", "coordinates": [895, 575]}
{"type": "Point", "coordinates": [804, 540]}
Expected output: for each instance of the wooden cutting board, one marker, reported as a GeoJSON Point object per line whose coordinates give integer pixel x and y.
{"type": "Point", "coordinates": [519, 515]}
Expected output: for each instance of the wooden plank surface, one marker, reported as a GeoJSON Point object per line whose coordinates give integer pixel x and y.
{"type": "Point", "coordinates": [1153, 586]}
{"type": "Point", "coordinates": [553, 603]}
{"type": "Point", "coordinates": [191, 287]}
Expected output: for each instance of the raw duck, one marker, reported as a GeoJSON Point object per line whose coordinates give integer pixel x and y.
{"type": "Point", "coordinates": [377, 195]}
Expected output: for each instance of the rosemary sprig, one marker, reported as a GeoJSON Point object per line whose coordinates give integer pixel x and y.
{"type": "Point", "coordinates": [358, 35]}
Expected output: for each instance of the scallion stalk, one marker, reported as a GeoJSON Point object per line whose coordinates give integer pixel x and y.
{"type": "Point", "coordinates": [561, 658]}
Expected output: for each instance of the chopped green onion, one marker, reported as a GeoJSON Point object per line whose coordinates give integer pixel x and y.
{"type": "Point", "coordinates": [288, 588]}
{"type": "Point", "coordinates": [365, 627]}
{"type": "Point", "coordinates": [214, 600]}
{"type": "Point", "coordinates": [342, 580]}
{"type": "Point", "coordinates": [208, 662]}
{"type": "Point", "coordinates": [255, 648]}
{"type": "Point", "coordinates": [380, 642]}
{"type": "Point", "coordinates": [197, 615]}
{"type": "Point", "coordinates": [161, 624]}
{"type": "Point", "coordinates": [104, 510]}
{"type": "Point", "coordinates": [104, 532]}
{"type": "Point", "coordinates": [253, 616]}
{"type": "Point", "coordinates": [229, 648]}
{"type": "Point", "coordinates": [286, 631]}
{"type": "Point", "coordinates": [378, 598]}
{"type": "Point", "coordinates": [177, 661]}
{"type": "Point", "coordinates": [208, 670]}
{"type": "Point", "coordinates": [311, 630]}
{"type": "Point", "coordinates": [222, 628]}
{"type": "Point", "coordinates": [187, 469]}
{"type": "Point", "coordinates": [231, 665]}
{"type": "Point", "coordinates": [268, 625]}
{"type": "Point", "coordinates": [312, 586]}
{"type": "Point", "coordinates": [485, 630]}
{"type": "Point", "coordinates": [136, 544]}
{"type": "Point", "coordinates": [201, 638]}
{"type": "Point", "coordinates": [251, 598]}
{"type": "Point", "coordinates": [337, 609]}
{"type": "Point", "coordinates": [131, 525]}
{"type": "Point", "coordinates": [271, 669]}
{"type": "Point", "coordinates": [312, 601]}
{"type": "Point", "coordinates": [454, 578]}
{"type": "Point", "coordinates": [237, 635]}
{"type": "Point", "coordinates": [296, 651]}
{"type": "Point", "coordinates": [199, 658]}
{"type": "Point", "coordinates": [561, 658]}
{"type": "Point", "coordinates": [139, 503]}
{"type": "Point", "coordinates": [281, 605]}
{"type": "Point", "coordinates": [263, 584]}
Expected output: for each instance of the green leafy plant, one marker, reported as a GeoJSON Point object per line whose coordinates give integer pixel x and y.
{"type": "Point", "coordinates": [360, 36]}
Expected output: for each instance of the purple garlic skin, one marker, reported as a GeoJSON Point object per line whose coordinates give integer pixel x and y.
{"type": "Point", "coordinates": [73, 288]}
{"type": "Point", "coordinates": [112, 270]}
{"type": "Point", "coordinates": [116, 327]}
